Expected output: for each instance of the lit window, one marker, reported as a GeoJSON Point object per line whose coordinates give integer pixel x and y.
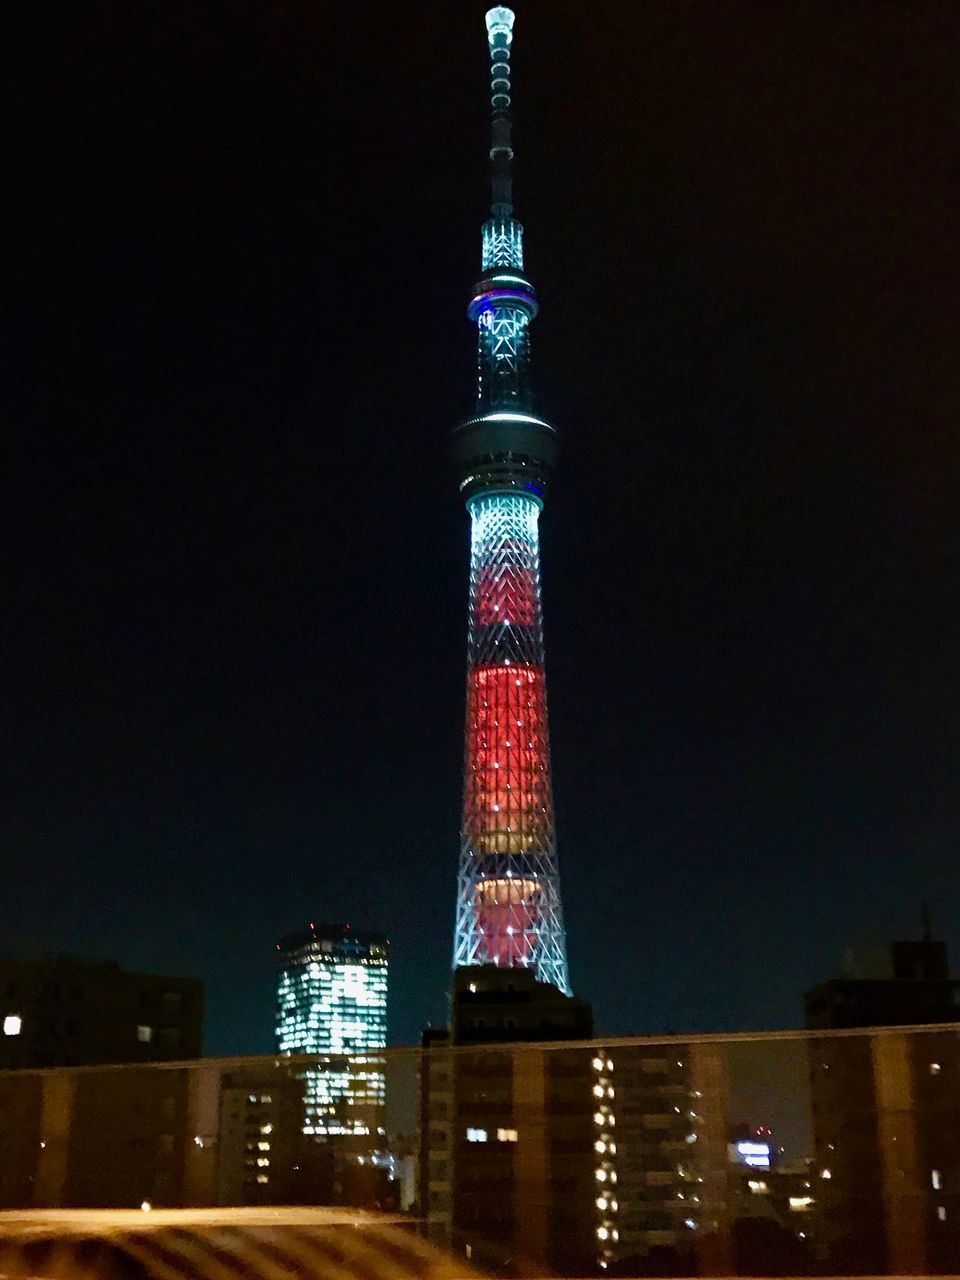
{"type": "Point", "coordinates": [263, 1162]}
{"type": "Point", "coordinates": [506, 1135]}
{"type": "Point", "coordinates": [758, 1188]}
{"type": "Point", "coordinates": [144, 1034]}
{"type": "Point", "coordinates": [601, 1175]}
{"type": "Point", "coordinates": [263, 1177]}
{"type": "Point", "coordinates": [825, 1173]}
{"type": "Point", "coordinates": [476, 1135]}
{"type": "Point", "coordinates": [941, 1212]}
{"type": "Point", "coordinates": [602, 1233]}
{"type": "Point", "coordinates": [935, 1179]}
{"type": "Point", "coordinates": [934, 1068]}
{"type": "Point", "coordinates": [263, 1146]}
{"type": "Point", "coordinates": [691, 1223]}
{"type": "Point", "coordinates": [12, 1024]}
{"type": "Point", "coordinates": [598, 1064]}
{"type": "Point", "coordinates": [800, 1204]}
{"type": "Point", "coordinates": [266, 1128]}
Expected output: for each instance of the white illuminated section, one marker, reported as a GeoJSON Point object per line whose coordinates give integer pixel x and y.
{"type": "Point", "coordinates": [500, 22]}
{"type": "Point", "coordinates": [754, 1154]}
{"type": "Point", "coordinates": [12, 1024]}
{"type": "Point", "coordinates": [502, 416]}
{"type": "Point", "coordinates": [502, 244]}
{"type": "Point", "coordinates": [489, 515]}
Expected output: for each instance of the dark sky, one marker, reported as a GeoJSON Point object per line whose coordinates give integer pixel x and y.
{"type": "Point", "coordinates": [241, 242]}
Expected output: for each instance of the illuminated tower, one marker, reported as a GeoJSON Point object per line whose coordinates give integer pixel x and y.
{"type": "Point", "coordinates": [508, 900]}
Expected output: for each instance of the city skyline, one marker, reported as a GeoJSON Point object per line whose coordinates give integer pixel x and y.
{"type": "Point", "coordinates": [234, 658]}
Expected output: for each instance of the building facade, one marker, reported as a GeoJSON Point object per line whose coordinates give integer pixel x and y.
{"type": "Point", "coordinates": [508, 1165]}
{"type": "Point", "coordinates": [260, 1138]}
{"type": "Point", "coordinates": [886, 1114]}
{"type": "Point", "coordinates": [332, 1002]}
{"type": "Point", "coordinates": [71, 1012]}
{"type": "Point", "coordinates": [671, 1111]}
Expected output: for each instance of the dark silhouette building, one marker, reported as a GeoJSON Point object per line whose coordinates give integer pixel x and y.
{"type": "Point", "coordinates": [917, 989]}
{"type": "Point", "coordinates": [508, 1167]}
{"type": "Point", "coordinates": [886, 1115]}
{"type": "Point", "coordinates": [73, 1012]}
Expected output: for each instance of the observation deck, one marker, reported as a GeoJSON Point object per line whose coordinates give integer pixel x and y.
{"type": "Point", "coordinates": [505, 451]}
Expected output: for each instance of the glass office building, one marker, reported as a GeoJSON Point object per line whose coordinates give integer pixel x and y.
{"type": "Point", "coordinates": [332, 1002]}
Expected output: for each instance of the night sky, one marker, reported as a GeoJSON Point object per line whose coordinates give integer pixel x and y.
{"type": "Point", "coordinates": [241, 237]}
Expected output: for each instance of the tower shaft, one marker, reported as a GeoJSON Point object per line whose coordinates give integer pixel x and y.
{"type": "Point", "coordinates": [508, 901]}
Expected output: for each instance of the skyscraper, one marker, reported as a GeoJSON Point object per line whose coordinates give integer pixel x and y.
{"type": "Point", "coordinates": [332, 1001]}
{"type": "Point", "coordinates": [508, 899]}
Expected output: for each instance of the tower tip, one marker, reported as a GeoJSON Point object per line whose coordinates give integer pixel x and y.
{"type": "Point", "coordinates": [500, 22]}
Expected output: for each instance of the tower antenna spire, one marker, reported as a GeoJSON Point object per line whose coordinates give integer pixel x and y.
{"type": "Point", "coordinates": [500, 22]}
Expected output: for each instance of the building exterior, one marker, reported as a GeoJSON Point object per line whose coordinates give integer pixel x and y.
{"type": "Point", "coordinates": [332, 1006]}
{"type": "Point", "coordinates": [508, 899]}
{"type": "Point", "coordinates": [67, 1011]}
{"type": "Point", "coordinates": [671, 1113]}
{"type": "Point", "coordinates": [260, 1137]}
{"type": "Point", "coordinates": [332, 1001]}
{"type": "Point", "coordinates": [107, 1137]}
{"type": "Point", "coordinates": [508, 1165]}
{"type": "Point", "coordinates": [914, 989]}
{"type": "Point", "coordinates": [886, 1114]}
{"type": "Point", "coordinates": [774, 1214]}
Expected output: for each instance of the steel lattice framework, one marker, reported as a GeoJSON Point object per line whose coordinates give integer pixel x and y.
{"type": "Point", "coordinates": [508, 901]}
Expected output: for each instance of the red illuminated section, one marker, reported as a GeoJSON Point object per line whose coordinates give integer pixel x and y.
{"type": "Point", "coordinates": [507, 804]}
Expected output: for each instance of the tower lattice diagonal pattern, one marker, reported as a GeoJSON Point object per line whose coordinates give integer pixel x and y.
{"type": "Point", "coordinates": [508, 903]}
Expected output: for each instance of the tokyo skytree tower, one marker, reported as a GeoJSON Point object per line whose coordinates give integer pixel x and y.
{"type": "Point", "coordinates": [508, 895]}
